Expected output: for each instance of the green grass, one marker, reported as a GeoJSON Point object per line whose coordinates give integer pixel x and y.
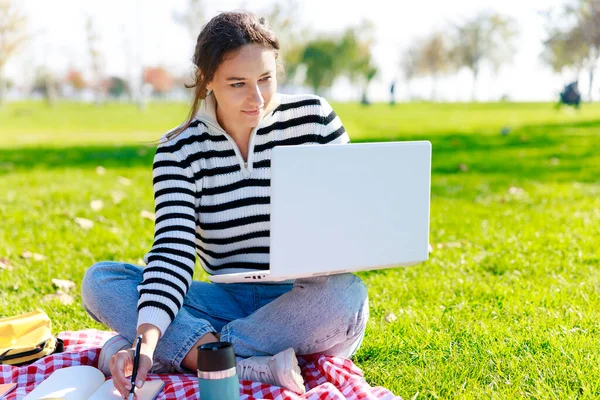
{"type": "Point", "coordinates": [506, 307]}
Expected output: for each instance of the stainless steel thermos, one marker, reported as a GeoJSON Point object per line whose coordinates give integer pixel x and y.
{"type": "Point", "coordinates": [217, 374]}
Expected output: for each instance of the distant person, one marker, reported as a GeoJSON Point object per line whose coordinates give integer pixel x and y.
{"type": "Point", "coordinates": [211, 179]}
{"type": "Point", "coordinates": [392, 93]}
{"type": "Point", "coordinates": [570, 95]}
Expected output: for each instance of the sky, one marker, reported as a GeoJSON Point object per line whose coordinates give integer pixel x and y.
{"type": "Point", "coordinates": [132, 32]}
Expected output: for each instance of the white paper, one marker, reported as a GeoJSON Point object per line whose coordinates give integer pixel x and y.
{"type": "Point", "coordinates": [108, 392]}
{"type": "Point", "coordinates": [83, 382]}
{"type": "Point", "coordinates": [71, 383]}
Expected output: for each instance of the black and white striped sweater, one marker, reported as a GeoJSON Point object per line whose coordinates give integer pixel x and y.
{"type": "Point", "coordinates": [212, 203]}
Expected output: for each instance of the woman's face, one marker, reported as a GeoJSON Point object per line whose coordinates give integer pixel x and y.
{"type": "Point", "coordinates": [243, 85]}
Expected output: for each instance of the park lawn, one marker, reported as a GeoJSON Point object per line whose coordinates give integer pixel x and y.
{"type": "Point", "coordinates": [507, 306]}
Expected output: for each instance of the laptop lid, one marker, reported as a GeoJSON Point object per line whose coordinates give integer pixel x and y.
{"type": "Point", "coordinates": [349, 207]}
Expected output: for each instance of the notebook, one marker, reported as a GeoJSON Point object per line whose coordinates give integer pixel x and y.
{"type": "Point", "coordinates": [83, 382]}
{"type": "Point", "coordinates": [6, 388]}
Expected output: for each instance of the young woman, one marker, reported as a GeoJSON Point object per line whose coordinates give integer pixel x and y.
{"type": "Point", "coordinates": [211, 186]}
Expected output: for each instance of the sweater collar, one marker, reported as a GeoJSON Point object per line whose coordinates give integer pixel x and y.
{"type": "Point", "coordinates": [207, 112]}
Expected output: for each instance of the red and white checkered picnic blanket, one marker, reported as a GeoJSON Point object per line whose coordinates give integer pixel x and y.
{"type": "Point", "coordinates": [327, 378]}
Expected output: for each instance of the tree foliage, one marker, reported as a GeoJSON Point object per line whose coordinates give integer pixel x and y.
{"type": "Point", "coordinates": [282, 18]}
{"type": "Point", "coordinates": [75, 79]}
{"type": "Point", "coordinates": [355, 56]}
{"type": "Point", "coordinates": [321, 62]}
{"type": "Point", "coordinates": [13, 34]}
{"type": "Point", "coordinates": [159, 78]}
{"type": "Point", "coordinates": [573, 38]}
{"type": "Point", "coordinates": [96, 58]}
{"type": "Point", "coordinates": [487, 37]}
{"type": "Point", "coordinates": [433, 59]}
{"type": "Point", "coordinates": [409, 64]}
{"type": "Point", "coordinates": [116, 86]}
{"type": "Point", "coordinates": [46, 84]}
{"type": "Point", "coordinates": [192, 18]}
{"type": "Point", "coordinates": [328, 58]}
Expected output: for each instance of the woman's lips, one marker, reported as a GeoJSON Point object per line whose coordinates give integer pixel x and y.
{"type": "Point", "coordinates": [252, 113]}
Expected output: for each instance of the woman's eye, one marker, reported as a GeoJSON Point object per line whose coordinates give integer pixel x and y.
{"type": "Point", "coordinates": [241, 84]}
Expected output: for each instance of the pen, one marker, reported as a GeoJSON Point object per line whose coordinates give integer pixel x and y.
{"type": "Point", "coordinates": [136, 362]}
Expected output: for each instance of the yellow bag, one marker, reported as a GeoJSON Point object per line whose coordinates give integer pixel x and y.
{"type": "Point", "coordinates": [27, 337]}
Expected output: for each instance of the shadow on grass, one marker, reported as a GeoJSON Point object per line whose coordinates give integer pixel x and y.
{"type": "Point", "coordinates": [75, 157]}
{"type": "Point", "coordinates": [558, 152]}
{"type": "Point", "coordinates": [526, 136]}
{"type": "Point", "coordinates": [566, 125]}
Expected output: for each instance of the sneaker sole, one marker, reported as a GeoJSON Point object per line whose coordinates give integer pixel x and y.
{"type": "Point", "coordinates": [292, 362]}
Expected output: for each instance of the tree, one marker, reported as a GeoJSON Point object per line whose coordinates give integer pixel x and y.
{"type": "Point", "coordinates": [116, 86]}
{"type": "Point", "coordinates": [12, 36]}
{"type": "Point", "coordinates": [574, 39]}
{"type": "Point", "coordinates": [409, 65]}
{"type": "Point", "coordinates": [192, 18]}
{"type": "Point", "coordinates": [369, 72]}
{"type": "Point", "coordinates": [487, 37]}
{"type": "Point", "coordinates": [95, 58]}
{"type": "Point", "coordinates": [323, 67]}
{"type": "Point", "coordinates": [75, 79]}
{"type": "Point", "coordinates": [292, 37]}
{"type": "Point", "coordinates": [565, 49]}
{"type": "Point", "coordinates": [589, 16]}
{"type": "Point", "coordinates": [433, 59]}
{"type": "Point", "coordinates": [355, 57]}
{"type": "Point", "coordinates": [46, 84]}
{"type": "Point", "coordinates": [159, 78]}
{"type": "Point", "coordinates": [327, 58]}
{"type": "Point", "coordinates": [128, 55]}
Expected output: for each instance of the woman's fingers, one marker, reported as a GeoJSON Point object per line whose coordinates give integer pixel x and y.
{"type": "Point", "coordinates": [121, 366]}
{"type": "Point", "coordinates": [143, 369]}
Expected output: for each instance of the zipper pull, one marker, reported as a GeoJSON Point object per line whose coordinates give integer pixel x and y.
{"type": "Point", "coordinates": [245, 172]}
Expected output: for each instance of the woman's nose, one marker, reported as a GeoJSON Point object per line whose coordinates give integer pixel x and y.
{"type": "Point", "coordinates": [256, 97]}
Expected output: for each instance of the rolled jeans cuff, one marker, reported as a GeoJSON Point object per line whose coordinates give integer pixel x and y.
{"type": "Point", "coordinates": [225, 335]}
{"type": "Point", "coordinates": [187, 346]}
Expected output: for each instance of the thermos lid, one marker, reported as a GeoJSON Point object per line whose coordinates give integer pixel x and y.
{"type": "Point", "coordinates": [216, 356]}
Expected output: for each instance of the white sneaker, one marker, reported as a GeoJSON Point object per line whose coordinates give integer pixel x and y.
{"type": "Point", "coordinates": [280, 370]}
{"type": "Point", "coordinates": [111, 347]}
{"type": "Point", "coordinates": [118, 343]}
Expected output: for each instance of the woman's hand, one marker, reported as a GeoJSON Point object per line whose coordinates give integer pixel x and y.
{"type": "Point", "coordinates": [121, 368]}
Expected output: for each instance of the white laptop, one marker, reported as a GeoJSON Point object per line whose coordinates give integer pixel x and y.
{"type": "Point", "coordinates": [345, 208]}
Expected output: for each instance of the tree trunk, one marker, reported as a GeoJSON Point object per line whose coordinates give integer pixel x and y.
{"type": "Point", "coordinates": [364, 98]}
{"type": "Point", "coordinates": [2, 91]}
{"type": "Point", "coordinates": [474, 88]}
{"type": "Point", "coordinates": [433, 87]}
{"type": "Point", "coordinates": [316, 89]}
{"type": "Point", "coordinates": [50, 94]}
{"type": "Point", "coordinates": [590, 90]}
{"type": "Point", "coordinates": [141, 104]}
{"type": "Point", "coordinates": [140, 97]}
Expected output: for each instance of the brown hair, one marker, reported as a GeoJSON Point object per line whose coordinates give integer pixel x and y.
{"type": "Point", "coordinates": [222, 35]}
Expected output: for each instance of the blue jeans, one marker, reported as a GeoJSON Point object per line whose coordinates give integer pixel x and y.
{"type": "Point", "coordinates": [321, 315]}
